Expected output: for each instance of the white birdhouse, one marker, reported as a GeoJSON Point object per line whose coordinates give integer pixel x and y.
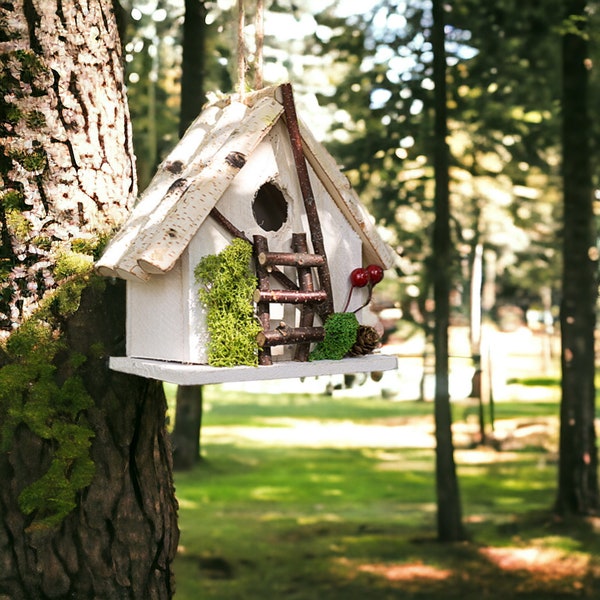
{"type": "Point", "coordinates": [251, 170]}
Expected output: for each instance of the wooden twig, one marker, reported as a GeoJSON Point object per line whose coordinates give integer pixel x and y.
{"type": "Point", "coordinates": [305, 280]}
{"type": "Point", "coordinates": [291, 259]}
{"type": "Point", "coordinates": [310, 205]}
{"type": "Point", "coordinates": [226, 224]}
{"type": "Point", "coordinates": [289, 296]}
{"type": "Point", "coordinates": [289, 335]}
{"type": "Point", "coordinates": [262, 308]}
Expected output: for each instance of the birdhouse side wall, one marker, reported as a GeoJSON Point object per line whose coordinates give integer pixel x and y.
{"type": "Point", "coordinates": [157, 323]}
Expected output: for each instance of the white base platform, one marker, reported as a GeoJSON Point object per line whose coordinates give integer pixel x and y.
{"type": "Point", "coordinates": [187, 374]}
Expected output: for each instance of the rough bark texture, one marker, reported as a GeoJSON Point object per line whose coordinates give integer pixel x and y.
{"type": "Point", "coordinates": [66, 164]}
{"type": "Point", "coordinates": [578, 463]}
{"type": "Point", "coordinates": [122, 537]}
{"type": "Point", "coordinates": [63, 116]}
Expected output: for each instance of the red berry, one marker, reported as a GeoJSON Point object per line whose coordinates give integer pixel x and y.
{"type": "Point", "coordinates": [359, 277]}
{"type": "Point", "coordinates": [375, 273]}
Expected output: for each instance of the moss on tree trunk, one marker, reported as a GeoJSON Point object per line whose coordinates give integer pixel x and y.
{"type": "Point", "coordinates": [87, 506]}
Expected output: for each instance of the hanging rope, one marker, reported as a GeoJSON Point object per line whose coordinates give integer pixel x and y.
{"type": "Point", "coordinates": [259, 27]}
{"type": "Point", "coordinates": [242, 51]}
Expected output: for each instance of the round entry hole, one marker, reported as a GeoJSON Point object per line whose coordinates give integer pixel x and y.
{"type": "Point", "coordinates": [270, 208]}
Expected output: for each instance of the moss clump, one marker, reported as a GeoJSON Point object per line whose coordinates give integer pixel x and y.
{"type": "Point", "coordinates": [18, 224]}
{"type": "Point", "coordinates": [72, 263]}
{"type": "Point", "coordinates": [227, 285]}
{"type": "Point", "coordinates": [12, 200]}
{"type": "Point", "coordinates": [34, 160]}
{"type": "Point", "coordinates": [340, 336]}
{"type": "Point", "coordinates": [51, 407]}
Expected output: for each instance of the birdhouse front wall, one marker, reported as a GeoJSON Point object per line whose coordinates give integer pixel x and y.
{"type": "Point", "coordinates": [165, 319]}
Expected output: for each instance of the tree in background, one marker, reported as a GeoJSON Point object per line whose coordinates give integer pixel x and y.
{"type": "Point", "coordinates": [578, 457]}
{"type": "Point", "coordinates": [189, 402]}
{"type": "Point", "coordinates": [87, 506]}
{"type": "Point", "coordinates": [449, 511]}
{"type": "Point", "coordinates": [503, 132]}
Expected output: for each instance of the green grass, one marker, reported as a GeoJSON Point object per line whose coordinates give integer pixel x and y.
{"type": "Point", "coordinates": [269, 520]}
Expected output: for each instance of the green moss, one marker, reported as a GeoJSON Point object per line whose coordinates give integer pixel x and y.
{"type": "Point", "coordinates": [85, 246]}
{"type": "Point", "coordinates": [33, 161]}
{"type": "Point", "coordinates": [74, 267]}
{"type": "Point", "coordinates": [31, 65]}
{"type": "Point", "coordinates": [35, 119]}
{"type": "Point", "coordinates": [54, 496]}
{"type": "Point", "coordinates": [12, 200]}
{"type": "Point", "coordinates": [340, 336]}
{"type": "Point", "coordinates": [18, 225]}
{"type": "Point", "coordinates": [227, 285]}
{"type": "Point", "coordinates": [72, 263]}
{"type": "Point", "coordinates": [13, 114]}
{"type": "Point", "coordinates": [32, 395]}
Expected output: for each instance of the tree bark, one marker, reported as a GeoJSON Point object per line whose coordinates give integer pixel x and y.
{"type": "Point", "coordinates": [64, 115]}
{"type": "Point", "coordinates": [449, 515]}
{"type": "Point", "coordinates": [578, 461]}
{"type": "Point", "coordinates": [66, 158]}
{"type": "Point", "coordinates": [121, 539]}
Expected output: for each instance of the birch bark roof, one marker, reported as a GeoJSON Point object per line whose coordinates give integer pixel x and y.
{"type": "Point", "coordinates": [191, 180]}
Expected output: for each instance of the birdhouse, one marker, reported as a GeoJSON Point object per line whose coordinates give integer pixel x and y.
{"type": "Point", "coordinates": [247, 169]}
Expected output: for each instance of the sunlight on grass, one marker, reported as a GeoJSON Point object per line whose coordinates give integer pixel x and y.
{"type": "Point", "coordinates": [406, 572]}
{"type": "Point", "coordinates": [313, 497]}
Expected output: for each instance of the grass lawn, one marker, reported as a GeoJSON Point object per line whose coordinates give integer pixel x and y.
{"type": "Point", "coordinates": [306, 497]}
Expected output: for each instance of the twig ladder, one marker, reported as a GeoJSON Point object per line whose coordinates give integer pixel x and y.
{"type": "Point", "coordinates": [306, 297]}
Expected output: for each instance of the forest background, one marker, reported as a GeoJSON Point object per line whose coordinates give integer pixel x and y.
{"type": "Point", "coordinates": [364, 83]}
{"type": "Point", "coordinates": [517, 80]}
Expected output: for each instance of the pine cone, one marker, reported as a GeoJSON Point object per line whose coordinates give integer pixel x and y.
{"type": "Point", "coordinates": [367, 339]}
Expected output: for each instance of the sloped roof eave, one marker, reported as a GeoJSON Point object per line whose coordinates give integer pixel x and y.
{"type": "Point", "coordinates": [146, 245]}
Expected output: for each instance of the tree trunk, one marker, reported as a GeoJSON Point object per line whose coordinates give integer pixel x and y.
{"type": "Point", "coordinates": [188, 413]}
{"type": "Point", "coordinates": [578, 462]}
{"type": "Point", "coordinates": [449, 516]}
{"type": "Point", "coordinates": [193, 68]}
{"type": "Point", "coordinates": [121, 538]}
{"type": "Point", "coordinates": [87, 506]}
{"type": "Point", "coordinates": [188, 427]}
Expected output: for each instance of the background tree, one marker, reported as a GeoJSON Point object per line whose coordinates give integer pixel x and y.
{"type": "Point", "coordinates": [189, 406]}
{"type": "Point", "coordinates": [578, 462]}
{"type": "Point", "coordinates": [87, 507]}
{"type": "Point", "coordinates": [503, 131]}
{"type": "Point", "coordinates": [449, 511]}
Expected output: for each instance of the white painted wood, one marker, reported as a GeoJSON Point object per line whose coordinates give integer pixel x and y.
{"type": "Point", "coordinates": [167, 241]}
{"type": "Point", "coordinates": [183, 374]}
{"type": "Point", "coordinates": [156, 319]}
